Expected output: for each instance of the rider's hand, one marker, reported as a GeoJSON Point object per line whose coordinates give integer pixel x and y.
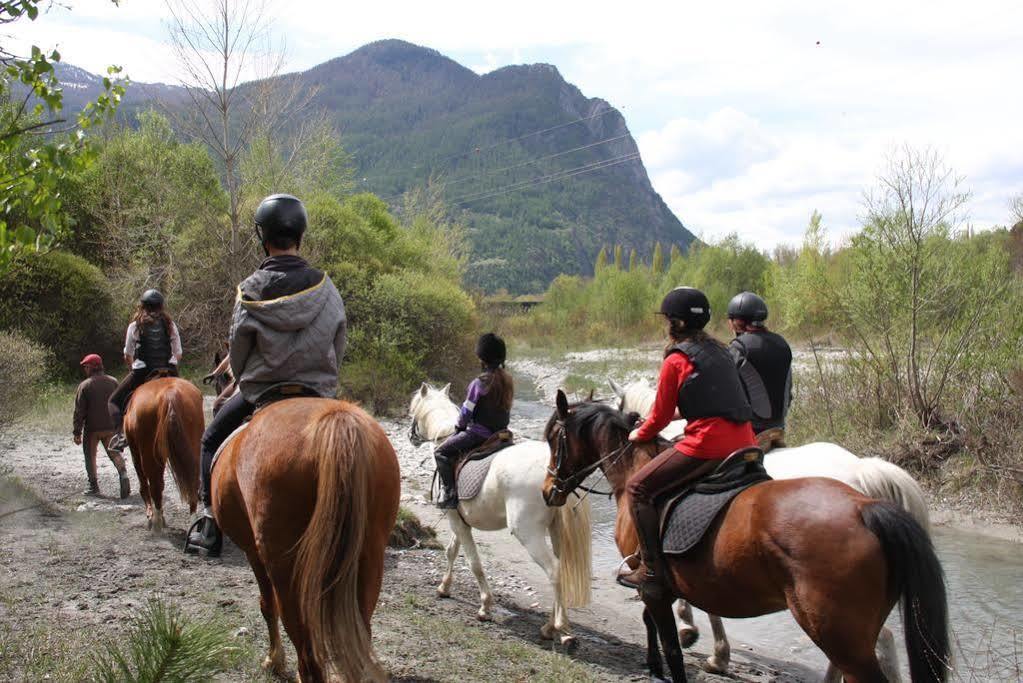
{"type": "Point", "coordinates": [634, 435]}
{"type": "Point", "coordinates": [78, 439]}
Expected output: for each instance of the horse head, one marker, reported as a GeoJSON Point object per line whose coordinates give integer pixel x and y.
{"type": "Point", "coordinates": [427, 401]}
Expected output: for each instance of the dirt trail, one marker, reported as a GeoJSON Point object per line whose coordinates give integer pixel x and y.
{"type": "Point", "coordinates": [74, 569]}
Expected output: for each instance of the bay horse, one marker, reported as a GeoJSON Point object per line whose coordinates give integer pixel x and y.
{"type": "Point", "coordinates": [163, 424]}
{"type": "Point", "coordinates": [836, 559]}
{"type": "Point", "coordinates": [873, 477]}
{"type": "Point", "coordinates": [222, 379]}
{"type": "Point", "coordinates": [511, 499]}
{"type": "Point", "coordinates": [309, 491]}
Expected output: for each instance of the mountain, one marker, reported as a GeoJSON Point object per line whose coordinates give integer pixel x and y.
{"type": "Point", "coordinates": [541, 175]}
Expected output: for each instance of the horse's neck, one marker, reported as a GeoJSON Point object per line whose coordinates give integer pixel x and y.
{"type": "Point", "coordinates": [435, 416]}
{"type": "Point", "coordinates": [619, 472]}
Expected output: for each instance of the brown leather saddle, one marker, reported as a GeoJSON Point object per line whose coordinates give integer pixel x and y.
{"type": "Point", "coordinates": [161, 373]}
{"type": "Point", "coordinates": [688, 513]}
{"type": "Point", "coordinates": [471, 470]}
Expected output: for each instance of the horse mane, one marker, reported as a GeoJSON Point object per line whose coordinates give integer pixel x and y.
{"type": "Point", "coordinates": [587, 418]}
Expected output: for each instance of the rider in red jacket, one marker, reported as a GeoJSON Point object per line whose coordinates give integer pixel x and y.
{"type": "Point", "coordinates": [699, 379]}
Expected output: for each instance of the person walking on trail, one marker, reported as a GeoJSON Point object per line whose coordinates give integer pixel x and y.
{"type": "Point", "coordinates": [92, 424]}
{"type": "Point", "coordinates": [486, 411]}
{"type": "Point", "coordinates": [151, 344]}
{"type": "Point", "coordinates": [764, 360]}
{"type": "Point", "coordinates": [288, 332]}
{"type": "Point", "coordinates": [698, 378]}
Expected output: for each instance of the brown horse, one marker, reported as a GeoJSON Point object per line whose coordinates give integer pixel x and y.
{"type": "Point", "coordinates": [309, 491]}
{"type": "Point", "coordinates": [839, 561]}
{"type": "Point", "coordinates": [163, 425]}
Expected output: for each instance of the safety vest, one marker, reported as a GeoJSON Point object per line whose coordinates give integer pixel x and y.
{"type": "Point", "coordinates": [769, 356]}
{"type": "Point", "coordinates": [488, 411]}
{"type": "Point", "coordinates": [154, 345]}
{"type": "Point", "coordinates": [713, 388]}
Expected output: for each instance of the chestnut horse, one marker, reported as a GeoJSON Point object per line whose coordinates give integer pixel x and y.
{"type": "Point", "coordinates": [838, 560]}
{"type": "Point", "coordinates": [163, 425]}
{"type": "Point", "coordinates": [309, 491]}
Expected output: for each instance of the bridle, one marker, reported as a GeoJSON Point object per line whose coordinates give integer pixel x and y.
{"type": "Point", "coordinates": [414, 436]}
{"type": "Point", "coordinates": [566, 486]}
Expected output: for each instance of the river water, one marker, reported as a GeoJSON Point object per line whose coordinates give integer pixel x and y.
{"type": "Point", "coordinates": [984, 575]}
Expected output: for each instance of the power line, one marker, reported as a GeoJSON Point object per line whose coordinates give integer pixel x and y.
{"type": "Point", "coordinates": [529, 162]}
{"type": "Point", "coordinates": [542, 180]}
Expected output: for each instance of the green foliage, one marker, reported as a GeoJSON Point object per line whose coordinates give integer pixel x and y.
{"type": "Point", "coordinates": [311, 161]}
{"type": "Point", "coordinates": [62, 302]}
{"type": "Point", "coordinates": [33, 166]}
{"type": "Point", "coordinates": [657, 264]}
{"type": "Point", "coordinates": [164, 646]}
{"type": "Point", "coordinates": [618, 256]}
{"type": "Point", "coordinates": [601, 262]}
{"type": "Point", "coordinates": [22, 368]}
{"type": "Point", "coordinates": [804, 289]}
{"type": "Point", "coordinates": [633, 262]}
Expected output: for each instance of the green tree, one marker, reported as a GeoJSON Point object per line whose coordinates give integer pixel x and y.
{"type": "Point", "coordinates": [618, 257]}
{"type": "Point", "coordinates": [676, 253]}
{"type": "Point", "coordinates": [805, 288]}
{"type": "Point", "coordinates": [632, 260]}
{"type": "Point", "coordinates": [33, 166]}
{"type": "Point", "coordinates": [601, 260]}
{"type": "Point", "coordinates": [657, 266]}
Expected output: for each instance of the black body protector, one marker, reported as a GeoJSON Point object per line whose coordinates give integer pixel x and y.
{"type": "Point", "coordinates": [713, 389]}
{"type": "Point", "coordinates": [764, 360]}
{"type": "Point", "coordinates": [154, 345]}
{"type": "Point", "coordinates": [488, 412]}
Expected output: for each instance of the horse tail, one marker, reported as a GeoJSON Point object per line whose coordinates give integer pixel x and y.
{"type": "Point", "coordinates": [176, 451]}
{"type": "Point", "coordinates": [883, 480]}
{"type": "Point", "coordinates": [917, 576]}
{"type": "Point", "coordinates": [328, 553]}
{"type": "Point", "coordinates": [571, 535]}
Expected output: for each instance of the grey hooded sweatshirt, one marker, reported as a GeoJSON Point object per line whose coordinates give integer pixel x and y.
{"type": "Point", "coordinates": [297, 338]}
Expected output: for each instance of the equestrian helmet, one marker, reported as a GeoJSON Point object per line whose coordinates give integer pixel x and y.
{"type": "Point", "coordinates": [281, 217]}
{"type": "Point", "coordinates": [747, 306]}
{"type": "Point", "coordinates": [687, 304]}
{"type": "Point", "coordinates": [491, 349]}
{"type": "Point", "coordinates": [151, 298]}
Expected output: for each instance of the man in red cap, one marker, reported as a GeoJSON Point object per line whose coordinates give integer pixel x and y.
{"type": "Point", "coordinates": [92, 423]}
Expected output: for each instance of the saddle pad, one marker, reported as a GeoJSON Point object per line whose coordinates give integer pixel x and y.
{"type": "Point", "coordinates": [691, 516]}
{"type": "Point", "coordinates": [216, 456]}
{"type": "Point", "coordinates": [471, 476]}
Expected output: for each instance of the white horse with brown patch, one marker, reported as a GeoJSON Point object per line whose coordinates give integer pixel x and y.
{"type": "Point", "coordinates": [512, 498]}
{"type": "Point", "coordinates": [872, 477]}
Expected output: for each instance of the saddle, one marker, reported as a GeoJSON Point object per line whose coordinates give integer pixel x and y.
{"type": "Point", "coordinates": [688, 514]}
{"type": "Point", "coordinates": [161, 373]}
{"type": "Point", "coordinates": [471, 470]}
{"type": "Point", "coordinates": [770, 439]}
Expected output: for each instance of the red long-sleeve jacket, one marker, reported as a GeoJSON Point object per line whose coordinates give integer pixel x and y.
{"type": "Point", "coordinates": [712, 438]}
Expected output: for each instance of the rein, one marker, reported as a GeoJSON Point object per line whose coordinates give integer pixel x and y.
{"type": "Point", "coordinates": [570, 484]}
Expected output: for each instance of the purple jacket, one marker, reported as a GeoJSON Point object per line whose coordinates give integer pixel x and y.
{"type": "Point", "coordinates": [479, 414]}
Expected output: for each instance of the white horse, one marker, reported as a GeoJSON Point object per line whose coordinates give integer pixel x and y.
{"type": "Point", "coordinates": [511, 499]}
{"type": "Point", "coordinates": [872, 477]}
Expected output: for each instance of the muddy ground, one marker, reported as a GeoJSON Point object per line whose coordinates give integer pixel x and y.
{"type": "Point", "coordinates": [74, 569]}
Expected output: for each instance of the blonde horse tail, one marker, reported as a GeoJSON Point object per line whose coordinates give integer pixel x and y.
{"type": "Point", "coordinates": [175, 449]}
{"type": "Point", "coordinates": [883, 480]}
{"type": "Point", "coordinates": [571, 535]}
{"type": "Point", "coordinates": [328, 553]}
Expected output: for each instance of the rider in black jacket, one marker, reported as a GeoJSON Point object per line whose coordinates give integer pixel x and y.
{"type": "Point", "coordinates": [764, 360]}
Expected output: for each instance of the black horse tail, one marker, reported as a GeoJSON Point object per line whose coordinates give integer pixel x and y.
{"type": "Point", "coordinates": [919, 579]}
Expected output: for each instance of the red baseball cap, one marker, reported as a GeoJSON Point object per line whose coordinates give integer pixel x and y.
{"type": "Point", "coordinates": [92, 359]}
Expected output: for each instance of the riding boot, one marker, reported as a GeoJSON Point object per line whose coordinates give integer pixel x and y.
{"type": "Point", "coordinates": [207, 537]}
{"type": "Point", "coordinates": [117, 441]}
{"type": "Point", "coordinates": [648, 577]}
{"type": "Point", "coordinates": [449, 493]}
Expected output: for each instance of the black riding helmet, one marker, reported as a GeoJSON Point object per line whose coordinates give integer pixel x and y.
{"type": "Point", "coordinates": [747, 306]}
{"type": "Point", "coordinates": [281, 217]}
{"type": "Point", "coordinates": [491, 349]}
{"type": "Point", "coordinates": [687, 304]}
{"type": "Point", "coordinates": [151, 298]}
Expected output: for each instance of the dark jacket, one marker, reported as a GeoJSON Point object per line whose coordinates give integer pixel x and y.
{"type": "Point", "coordinates": [289, 326]}
{"type": "Point", "coordinates": [713, 389]}
{"type": "Point", "coordinates": [91, 412]}
{"type": "Point", "coordinates": [771, 357]}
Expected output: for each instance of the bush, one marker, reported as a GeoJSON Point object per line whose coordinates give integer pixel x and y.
{"type": "Point", "coordinates": [62, 302]}
{"type": "Point", "coordinates": [22, 367]}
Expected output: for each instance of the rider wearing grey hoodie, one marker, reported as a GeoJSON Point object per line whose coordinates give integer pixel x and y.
{"type": "Point", "coordinates": [289, 328]}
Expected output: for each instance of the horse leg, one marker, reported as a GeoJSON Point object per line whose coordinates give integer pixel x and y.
{"type": "Point", "coordinates": [533, 539]}
{"type": "Point", "coordinates": [136, 461]}
{"type": "Point", "coordinates": [275, 661]}
{"type": "Point", "coordinates": [664, 620]}
{"type": "Point", "coordinates": [464, 533]}
{"type": "Point", "coordinates": [653, 649]}
{"type": "Point", "coordinates": [444, 589]}
{"type": "Point", "coordinates": [156, 494]}
{"type": "Point", "coordinates": [688, 633]}
{"type": "Point", "coordinates": [718, 662]}
{"type": "Point", "coordinates": [888, 655]}
{"type": "Point", "coordinates": [288, 606]}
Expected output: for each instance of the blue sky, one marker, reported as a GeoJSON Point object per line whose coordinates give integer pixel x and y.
{"type": "Point", "coordinates": [749, 116]}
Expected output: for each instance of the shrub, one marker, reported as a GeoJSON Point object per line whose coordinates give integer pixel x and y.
{"type": "Point", "coordinates": [22, 367]}
{"type": "Point", "coordinates": [62, 302]}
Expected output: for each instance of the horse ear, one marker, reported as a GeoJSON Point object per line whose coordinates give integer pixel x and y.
{"type": "Point", "coordinates": [447, 389]}
{"type": "Point", "coordinates": [217, 358]}
{"type": "Point", "coordinates": [423, 390]}
{"type": "Point", "coordinates": [562, 403]}
{"type": "Point", "coordinates": [617, 388]}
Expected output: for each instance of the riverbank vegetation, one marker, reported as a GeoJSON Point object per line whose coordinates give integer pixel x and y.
{"type": "Point", "coordinates": [925, 310]}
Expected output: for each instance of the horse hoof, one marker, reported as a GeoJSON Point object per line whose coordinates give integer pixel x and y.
{"type": "Point", "coordinates": [688, 636]}
{"type": "Point", "coordinates": [569, 643]}
{"type": "Point", "coordinates": [483, 616]}
{"type": "Point", "coordinates": [547, 632]}
{"type": "Point", "coordinates": [712, 666]}
{"type": "Point", "coordinates": [443, 592]}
